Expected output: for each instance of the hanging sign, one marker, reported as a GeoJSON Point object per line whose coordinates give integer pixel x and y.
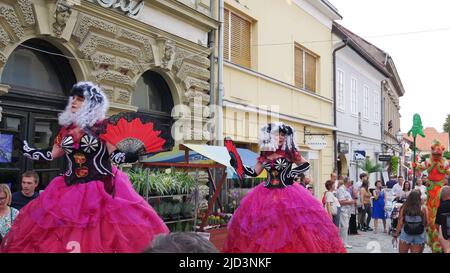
{"type": "Point", "coordinates": [384, 157]}
{"type": "Point", "coordinates": [131, 8]}
{"type": "Point", "coordinates": [316, 142]}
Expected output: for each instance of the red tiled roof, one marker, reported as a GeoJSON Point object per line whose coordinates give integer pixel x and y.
{"type": "Point", "coordinates": [424, 144]}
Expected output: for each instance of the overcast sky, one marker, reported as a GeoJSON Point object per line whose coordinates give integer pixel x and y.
{"type": "Point", "coordinates": [422, 58]}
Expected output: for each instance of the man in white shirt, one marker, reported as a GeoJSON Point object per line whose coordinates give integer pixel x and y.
{"type": "Point", "coordinates": [397, 190]}
{"type": "Point", "coordinates": [347, 206]}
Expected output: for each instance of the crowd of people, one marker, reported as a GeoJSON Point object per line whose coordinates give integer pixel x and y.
{"type": "Point", "coordinates": [93, 203]}
{"type": "Point", "coordinates": [351, 206]}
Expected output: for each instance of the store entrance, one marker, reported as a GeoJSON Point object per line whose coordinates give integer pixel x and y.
{"type": "Point", "coordinates": [39, 79]}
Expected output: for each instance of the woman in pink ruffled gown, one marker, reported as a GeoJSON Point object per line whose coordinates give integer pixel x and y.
{"type": "Point", "coordinates": [92, 207]}
{"type": "Point", "coordinates": [280, 216]}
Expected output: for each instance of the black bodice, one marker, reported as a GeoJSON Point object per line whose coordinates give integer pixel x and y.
{"type": "Point", "coordinates": [87, 160]}
{"type": "Point", "coordinates": [278, 173]}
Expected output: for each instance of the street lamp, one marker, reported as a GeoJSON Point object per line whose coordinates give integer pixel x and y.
{"type": "Point", "coordinates": [399, 137]}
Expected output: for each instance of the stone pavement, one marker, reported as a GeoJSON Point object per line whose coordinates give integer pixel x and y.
{"type": "Point", "coordinates": [369, 242]}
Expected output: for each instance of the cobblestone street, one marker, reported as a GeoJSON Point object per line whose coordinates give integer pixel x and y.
{"type": "Point", "coordinates": [369, 242]}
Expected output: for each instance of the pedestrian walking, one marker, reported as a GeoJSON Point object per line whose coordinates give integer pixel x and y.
{"type": "Point", "coordinates": [411, 225]}
{"type": "Point", "coordinates": [379, 206]}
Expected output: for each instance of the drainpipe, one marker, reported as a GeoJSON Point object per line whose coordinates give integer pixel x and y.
{"type": "Point", "coordinates": [383, 145]}
{"type": "Point", "coordinates": [220, 77]}
{"type": "Point", "coordinates": [334, 103]}
{"type": "Point", "coordinates": [212, 72]}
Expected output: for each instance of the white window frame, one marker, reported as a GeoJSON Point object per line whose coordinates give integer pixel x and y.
{"type": "Point", "coordinates": [354, 96]}
{"type": "Point", "coordinates": [366, 102]}
{"type": "Point", "coordinates": [340, 90]}
{"type": "Point", "coordinates": [376, 111]}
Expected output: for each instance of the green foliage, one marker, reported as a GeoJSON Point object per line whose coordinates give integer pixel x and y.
{"type": "Point", "coordinates": [394, 164]}
{"type": "Point", "coordinates": [187, 210]}
{"type": "Point", "coordinates": [175, 210]}
{"type": "Point", "coordinates": [368, 167]}
{"type": "Point", "coordinates": [161, 183]}
{"type": "Point", "coordinates": [137, 177]}
{"type": "Point", "coordinates": [446, 126]}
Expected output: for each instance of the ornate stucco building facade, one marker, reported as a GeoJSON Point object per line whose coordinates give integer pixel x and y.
{"type": "Point", "coordinates": [148, 56]}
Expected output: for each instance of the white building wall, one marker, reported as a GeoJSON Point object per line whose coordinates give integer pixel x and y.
{"type": "Point", "coordinates": [358, 131]}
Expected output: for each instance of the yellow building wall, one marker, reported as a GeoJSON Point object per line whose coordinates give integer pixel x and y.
{"type": "Point", "coordinates": [271, 78]}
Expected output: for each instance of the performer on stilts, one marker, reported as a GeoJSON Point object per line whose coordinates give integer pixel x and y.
{"type": "Point", "coordinates": [279, 215]}
{"type": "Point", "coordinates": [437, 168]}
{"type": "Point", "coordinates": [92, 207]}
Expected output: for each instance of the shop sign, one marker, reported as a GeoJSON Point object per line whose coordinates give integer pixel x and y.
{"type": "Point", "coordinates": [316, 142]}
{"type": "Point", "coordinates": [384, 157]}
{"type": "Point", "coordinates": [343, 147]}
{"type": "Point", "coordinates": [131, 8]}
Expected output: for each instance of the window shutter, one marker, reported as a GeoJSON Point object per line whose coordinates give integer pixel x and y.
{"type": "Point", "coordinates": [298, 67]}
{"type": "Point", "coordinates": [240, 41]}
{"type": "Point", "coordinates": [310, 66]}
{"type": "Point", "coordinates": [226, 36]}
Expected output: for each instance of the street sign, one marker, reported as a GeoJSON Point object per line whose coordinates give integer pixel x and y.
{"type": "Point", "coordinates": [384, 157]}
{"type": "Point", "coordinates": [359, 155]}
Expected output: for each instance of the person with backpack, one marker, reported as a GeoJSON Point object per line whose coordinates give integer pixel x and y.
{"type": "Point", "coordinates": [411, 225]}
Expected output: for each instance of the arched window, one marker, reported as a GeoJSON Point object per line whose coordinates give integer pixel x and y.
{"type": "Point", "coordinates": [40, 78]}
{"type": "Point", "coordinates": [38, 67]}
{"type": "Point", "coordinates": [154, 99]}
{"type": "Point", "coordinates": [152, 95]}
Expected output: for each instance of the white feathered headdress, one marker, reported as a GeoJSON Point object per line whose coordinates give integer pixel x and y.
{"type": "Point", "coordinates": [268, 137]}
{"type": "Point", "coordinates": [93, 109]}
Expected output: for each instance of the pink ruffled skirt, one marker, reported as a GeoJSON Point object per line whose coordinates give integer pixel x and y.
{"type": "Point", "coordinates": [282, 220]}
{"type": "Point", "coordinates": [85, 218]}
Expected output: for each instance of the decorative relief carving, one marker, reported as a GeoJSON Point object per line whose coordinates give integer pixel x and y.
{"type": "Point", "coordinates": [61, 16]}
{"type": "Point", "coordinates": [27, 11]}
{"type": "Point", "coordinates": [123, 96]}
{"type": "Point", "coordinates": [136, 37]}
{"type": "Point", "coordinates": [192, 70]}
{"type": "Point", "coordinates": [91, 44]}
{"type": "Point", "coordinates": [114, 77]}
{"type": "Point", "coordinates": [193, 83]}
{"type": "Point", "coordinates": [87, 22]}
{"type": "Point", "coordinates": [191, 95]}
{"type": "Point", "coordinates": [2, 58]}
{"type": "Point", "coordinates": [11, 18]}
{"type": "Point", "coordinates": [109, 92]}
{"type": "Point", "coordinates": [186, 56]}
{"type": "Point", "coordinates": [168, 54]}
{"type": "Point", "coordinates": [4, 38]}
{"type": "Point", "coordinates": [125, 41]}
{"type": "Point", "coordinates": [103, 60]}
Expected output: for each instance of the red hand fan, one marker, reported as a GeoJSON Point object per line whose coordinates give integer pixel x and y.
{"type": "Point", "coordinates": [129, 134]}
{"type": "Point", "coordinates": [239, 167]}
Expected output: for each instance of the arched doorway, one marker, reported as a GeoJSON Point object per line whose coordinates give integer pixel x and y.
{"type": "Point", "coordinates": [343, 165]}
{"type": "Point", "coordinates": [154, 99]}
{"type": "Point", "coordinates": [39, 80]}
